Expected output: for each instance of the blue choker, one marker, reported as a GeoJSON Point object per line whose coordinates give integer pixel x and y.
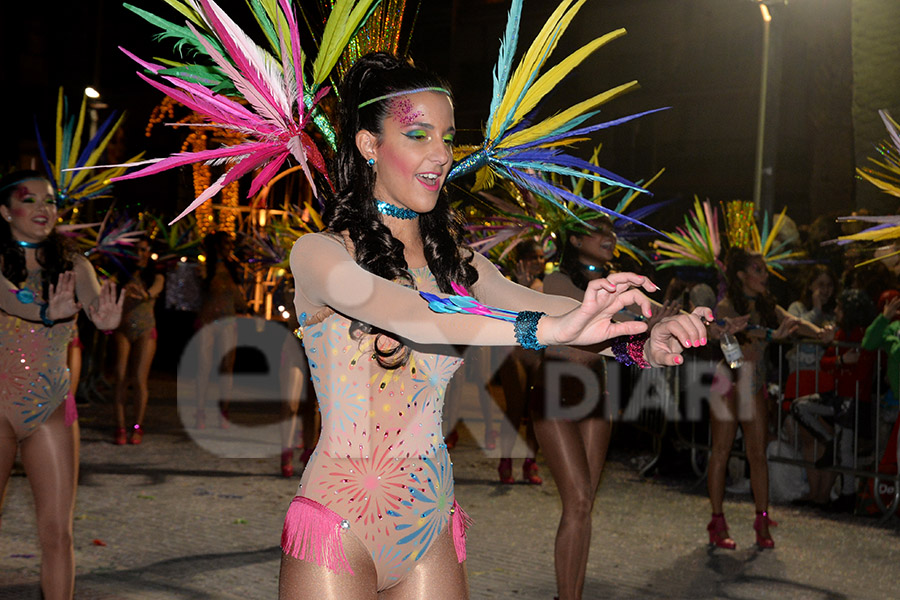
{"type": "Point", "coordinates": [31, 245]}
{"type": "Point", "coordinates": [397, 212]}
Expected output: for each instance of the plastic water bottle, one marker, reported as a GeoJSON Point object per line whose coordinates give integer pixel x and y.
{"type": "Point", "coordinates": [732, 350]}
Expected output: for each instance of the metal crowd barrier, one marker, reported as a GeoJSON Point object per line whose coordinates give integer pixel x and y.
{"type": "Point", "coordinates": [686, 389]}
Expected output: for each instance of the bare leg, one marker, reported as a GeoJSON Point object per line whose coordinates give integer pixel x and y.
{"type": "Point", "coordinates": [145, 349]}
{"type": "Point", "coordinates": [437, 576]}
{"type": "Point", "coordinates": [74, 362]}
{"type": "Point", "coordinates": [228, 342]}
{"type": "Point", "coordinates": [9, 447]}
{"type": "Point", "coordinates": [304, 580]}
{"type": "Point", "coordinates": [755, 434]}
{"type": "Point", "coordinates": [723, 427]}
{"type": "Point", "coordinates": [123, 351]}
{"type": "Point", "coordinates": [567, 447]}
{"type": "Point", "coordinates": [512, 378]}
{"type": "Point", "coordinates": [47, 455]}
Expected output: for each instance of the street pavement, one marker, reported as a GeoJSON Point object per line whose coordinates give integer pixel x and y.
{"type": "Point", "coordinates": [170, 520]}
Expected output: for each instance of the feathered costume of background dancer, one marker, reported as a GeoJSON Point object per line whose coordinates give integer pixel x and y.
{"type": "Point", "coordinates": [376, 510]}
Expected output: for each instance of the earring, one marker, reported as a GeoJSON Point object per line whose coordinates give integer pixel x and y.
{"type": "Point", "coordinates": [371, 162]}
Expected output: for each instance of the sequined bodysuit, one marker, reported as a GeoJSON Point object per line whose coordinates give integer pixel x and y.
{"type": "Point", "coordinates": [34, 375]}
{"type": "Point", "coordinates": [138, 319]}
{"type": "Point", "coordinates": [381, 463]}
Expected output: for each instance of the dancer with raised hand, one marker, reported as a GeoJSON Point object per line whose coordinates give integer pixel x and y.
{"type": "Point", "coordinates": [43, 278]}
{"type": "Point", "coordinates": [375, 510]}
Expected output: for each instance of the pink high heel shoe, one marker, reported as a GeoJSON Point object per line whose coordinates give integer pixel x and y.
{"type": "Point", "coordinates": [763, 522]}
{"type": "Point", "coordinates": [287, 462]}
{"type": "Point", "coordinates": [718, 533]}
{"type": "Point", "coordinates": [504, 470]}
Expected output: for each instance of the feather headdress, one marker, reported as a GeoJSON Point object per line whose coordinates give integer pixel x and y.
{"type": "Point", "coordinates": [697, 243]}
{"type": "Point", "coordinates": [277, 110]}
{"type": "Point", "coordinates": [515, 148]}
{"type": "Point", "coordinates": [885, 228]}
{"type": "Point", "coordinates": [73, 188]}
{"type": "Point", "coordinates": [523, 215]}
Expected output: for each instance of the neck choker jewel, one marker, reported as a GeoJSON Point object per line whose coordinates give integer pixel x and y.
{"type": "Point", "coordinates": [32, 245]}
{"type": "Point", "coordinates": [397, 212]}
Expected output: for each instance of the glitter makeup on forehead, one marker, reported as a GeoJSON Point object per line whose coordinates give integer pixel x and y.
{"type": "Point", "coordinates": [402, 111]}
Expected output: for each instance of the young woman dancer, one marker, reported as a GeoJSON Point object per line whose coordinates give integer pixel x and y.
{"type": "Point", "coordinates": [43, 277]}
{"type": "Point", "coordinates": [135, 339]}
{"type": "Point", "coordinates": [575, 449]}
{"type": "Point", "coordinates": [738, 397]}
{"type": "Point", "coordinates": [375, 514]}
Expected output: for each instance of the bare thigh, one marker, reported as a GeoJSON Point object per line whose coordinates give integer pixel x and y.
{"type": "Point", "coordinates": [305, 580]}
{"type": "Point", "coordinates": [437, 576]}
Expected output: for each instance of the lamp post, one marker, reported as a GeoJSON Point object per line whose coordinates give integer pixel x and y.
{"type": "Point", "coordinates": [761, 168]}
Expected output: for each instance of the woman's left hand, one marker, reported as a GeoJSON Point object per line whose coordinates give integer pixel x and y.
{"type": "Point", "coordinates": [673, 334]}
{"type": "Point", "coordinates": [106, 311]}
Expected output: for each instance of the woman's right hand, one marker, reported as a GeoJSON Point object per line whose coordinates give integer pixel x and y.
{"type": "Point", "coordinates": [591, 323]}
{"type": "Point", "coordinates": [61, 303]}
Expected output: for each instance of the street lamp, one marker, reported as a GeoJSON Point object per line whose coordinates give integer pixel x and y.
{"type": "Point", "coordinates": [761, 154]}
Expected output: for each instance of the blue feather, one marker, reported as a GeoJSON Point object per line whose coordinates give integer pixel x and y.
{"type": "Point", "coordinates": [589, 129]}
{"type": "Point", "coordinates": [44, 159]}
{"type": "Point", "coordinates": [504, 61]}
{"type": "Point", "coordinates": [95, 141]}
{"type": "Point", "coordinates": [555, 194]}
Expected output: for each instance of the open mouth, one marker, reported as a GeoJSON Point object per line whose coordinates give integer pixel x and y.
{"type": "Point", "coordinates": [431, 181]}
{"type": "Point", "coordinates": [40, 220]}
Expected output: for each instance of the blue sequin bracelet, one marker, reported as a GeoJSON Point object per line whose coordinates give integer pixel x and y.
{"type": "Point", "coordinates": [44, 318]}
{"type": "Point", "coordinates": [526, 329]}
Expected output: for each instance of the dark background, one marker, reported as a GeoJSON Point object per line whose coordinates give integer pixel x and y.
{"type": "Point", "coordinates": [702, 58]}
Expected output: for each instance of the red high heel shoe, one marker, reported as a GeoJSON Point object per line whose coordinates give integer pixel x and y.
{"type": "Point", "coordinates": [718, 533]}
{"type": "Point", "coordinates": [764, 522]}
{"type": "Point", "coordinates": [137, 435]}
{"type": "Point", "coordinates": [287, 462]}
{"type": "Point", "coordinates": [504, 469]}
{"type": "Point", "coordinates": [530, 472]}
{"type": "Point", "coordinates": [121, 439]}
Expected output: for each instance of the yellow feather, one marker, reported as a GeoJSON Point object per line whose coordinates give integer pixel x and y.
{"type": "Point", "coordinates": [59, 130]}
{"type": "Point", "coordinates": [548, 126]}
{"type": "Point", "coordinates": [188, 13]}
{"type": "Point", "coordinates": [877, 258]}
{"type": "Point", "coordinates": [551, 78]}
{"type": "Point", "coordinates": [773, 233]}
{"type": "Point", "coordinates": [95, 155]}
{"type": "Point", "coordinates": [76, 138]}
{"type": "Point", "coordinates": [884, 186]}
{"type": "Point", "coordinates": [484, 179]}
{"type": "Point", "coordinates": [531, 63]}
{"type": "Point", "coordinates": [341, 24]}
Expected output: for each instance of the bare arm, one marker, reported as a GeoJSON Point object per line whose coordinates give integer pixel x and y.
{"type": "Point", "coordinates": [158, 283]}
{"type": "Point", "coordinates": [326, 275]}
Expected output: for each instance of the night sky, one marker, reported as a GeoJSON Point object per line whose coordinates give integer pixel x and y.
{"type": "Point", "coordinates": [700, 57]}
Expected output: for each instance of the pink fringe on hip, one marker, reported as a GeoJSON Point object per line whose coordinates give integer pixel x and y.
{"type": "Point", "coordinates": [460, 521]}
{"type": "Point", "coordinates": [313, 533]}
{"type": "Point", "coordinates": [71, 409]}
